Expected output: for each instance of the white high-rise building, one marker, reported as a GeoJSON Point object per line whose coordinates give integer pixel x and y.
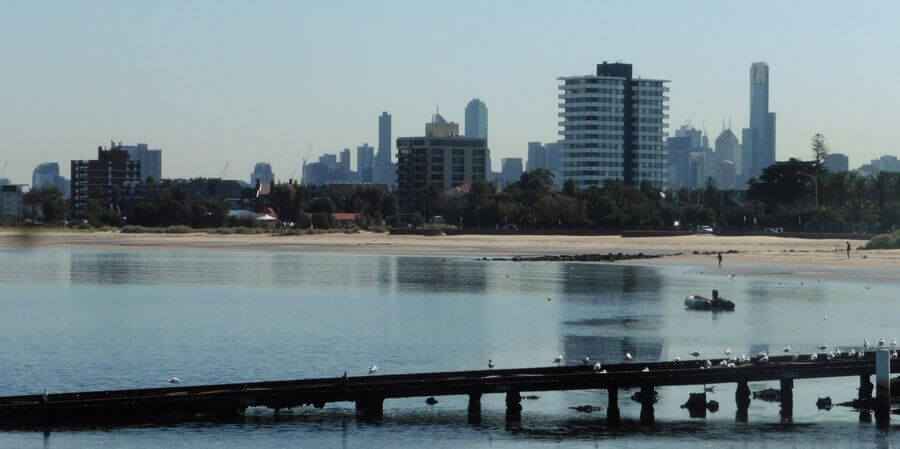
{"type": "Point", "coordinates": [613, 127]}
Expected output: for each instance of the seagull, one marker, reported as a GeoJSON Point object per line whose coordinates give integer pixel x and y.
{"type": "Point", "coordinates": [866, 343]}
{"type": "Point", "coordinates": [823, 346]}
{"type": "Point", "coordinates": [764, 359]}
{"type": "Point", "coordinates": [597, 366]}
{"type": "Point", "coordinates": [586, 360]}
{"type": "Point", "coordinates": [852, 352]}
{"type": "Point", "coordinates": [894, 355]}
{"type": "Point", "coordinates": [549, 298]}
{"type": "Point", "coordinates": [603, 372]}
{"type": "Point", "coordinates": [628, 356]}
{"type": "Point", "coordinates": [676, 359]}
{"type": "Point", "coordinates": [373, 368]}
{"type": "Point", "coordinates": [868, 287]}
{"type": "Point", "coordinates": [727, 351]}
{"type": "Point", "coordinates": [787, 348]}
{"type": "Point", "coordinates": [829, 355]}
{"type": "Point", "coordinates": [707, 364]}
{"type": "Point", "coordinates": [490, 364]}
{"type": "Point", "coordinates": [744, 359]}
{"type": "Point", "coordinates": [861, 354]}
{"type": "Point", "coordinates": [732, 276]}
{"type": "Point", "coordinates": [730, 365]}
{"type": "Point", "coordinates": [893, 342]}
{"type": "Point", "coordinates": [696, 353]}
{"type": "Point", "coordinates": [819, 281]}
{"type": "Point", "coordinates": [646, 370]}
{"type": "Point", "coordinates": [174, 380]}
{"type": "Point", "coordinates": [802, 283]}
{"type": "Point", "coordinates": [794, 357]}
{"type": "Point", "coordinates": [558, 358]}
{"type": "Point", "coordinates": [813, 357]}
{"type": "Point", "coordinates": [881, 343]}
{"type": "Point", "coordinates": [723, 362]}
{"type": "Point", "coordinates": [825, 317]}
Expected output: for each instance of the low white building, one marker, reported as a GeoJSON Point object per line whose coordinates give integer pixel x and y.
{"type": "Point", "coordinates": [11, 202]}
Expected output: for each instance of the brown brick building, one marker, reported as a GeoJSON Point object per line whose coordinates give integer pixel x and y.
{"type": "Point", "coordinates": [105, 179]}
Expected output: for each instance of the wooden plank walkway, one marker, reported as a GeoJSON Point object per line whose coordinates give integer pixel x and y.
{"type": "Point", "coordinates": [369, 392]}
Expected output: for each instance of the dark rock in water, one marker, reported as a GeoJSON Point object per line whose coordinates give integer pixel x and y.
{"type": "Point", "coordinates": [587, 408]}
{"type": "Point", "coordinates": [636, 397]}
{"type": "Point", "coordinates": [531, 397]}
{"type": "Point", "coordinates": [824, 403]}
{"type": "Point", "coordinates": [431, 400]}
{"type": "Point", "coordinates": [768, 394]}
{"type": "Point", "coordinates": [712, 406]}
{"type": "Point", "coordinates": [696, 405]}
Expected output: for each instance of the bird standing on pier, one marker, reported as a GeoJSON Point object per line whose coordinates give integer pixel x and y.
{"type": "Point", "coordinates": [676, 359]}
{"type": "Point", "coordinates": [707, 364]}
{"type": "Point", "coordinates": [628, 356]}
{"type": "Point", "coordinates": [894, 354]}
{"type": "Point", "coordinates": [787, 348]}
{"type": "Point", "coordinates": [373, 368]}
{"type": "Point", "coordinates": [881, 343]}
{"type": "Point", "coordinates": [586, 360]}
{"type": "Point", "coordinates": [597, 367]}
{"type": "Point", "coordinates": [558, 358]}
{"type": "Point", "coordinates": [794, 357]}
{"type": "Point", "coordinates": [893, 343]}
{"type": "Point", "coordinates": [865, 343]}
{"type": "Point", "coordinates": [727, 351]}
{"type": "Point", "coordinates": [823, 346]}
{"type": "Point", "coordinates": [696, 353]}
{"type": "Point", "coordinates": [646, 370]}
{"type": "Point", "coordinates": [852, 352]}
{"type": "Point", "coordinates": [490, 364]}
{"type": "Point", "coordinates": [174, 380]}
{"type": "Point", "coordinates": [813, 357]}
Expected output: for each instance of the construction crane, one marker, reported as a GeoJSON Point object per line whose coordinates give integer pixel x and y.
{"type": "Point", "coordinates": [224, 169]}
{"type": "Point", "coordinates": [308, 152]}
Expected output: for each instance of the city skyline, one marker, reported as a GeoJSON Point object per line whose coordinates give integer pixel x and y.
{"type": "Point", "coordinates": [200, 103]}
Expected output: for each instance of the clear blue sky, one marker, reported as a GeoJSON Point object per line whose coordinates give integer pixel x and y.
{"type": "Point", "coordinates": [247, 81]}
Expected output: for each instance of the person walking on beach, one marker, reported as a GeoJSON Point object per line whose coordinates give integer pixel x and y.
{"type": "Point", "coordinates": [848, 250]}
{"type": "Point", "coordinates": [719, 258]}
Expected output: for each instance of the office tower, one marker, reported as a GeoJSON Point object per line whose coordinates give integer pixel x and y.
{"type": "Point", "coordinates": [728, 150]}
{"type": "Point", "coordinates": [613, 127]}
{"type": "Point", "coordinates": [837, 162]}
{"type": "Point", "coordinates": [537, 156]}
{"type": "Point", "coordinates": [555, 161]}
{"type": "Point", "coordinates": [510, 170]}
{"type": "Point", "coordinates": [441, 157]}
{"type": "Point", "coordinates": [345, 161]}
{"type": "Point", "coordinates": [476, 119]}
{"type": "Point", "coordinates": [151, 160]}
{"type": "Point", "coordinates": [262, 174]}
{"type": "Point", "coordinates": [105, 179]}
{"type": "Point", "coordinates": [758, 141]}
{"type": "Point", "coordinates": [365, 159]}
{"type": "Point", "coordinates": [385, 170]}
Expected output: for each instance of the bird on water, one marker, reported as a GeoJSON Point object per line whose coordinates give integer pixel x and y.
{"type": "Point", "coordinates": [490, 364]}
{"type": "Point", "coordinates": [696, 353]}
{"type": "Point", "coordinates": [373, 368]}
{"type": "Point", "coordinates": [558, 358]}
{"type": "Point", "coordinates": [174, 380]}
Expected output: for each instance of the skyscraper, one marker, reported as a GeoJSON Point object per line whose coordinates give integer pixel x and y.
{"type": "Point", "coordinates": [262, 173]}
{"type": "Point", "coordinates": [612, 127]}
{"type": "Point", "coordinates": [151, 160]}
{"type": "Point", "coordinates": [476, 119]}
{"type": "Point", "coordinates": [47, 175]}
{"type": "Point", "coordinates": [510, 170]}
{"type": "Point", "coordinates": [365, 158]}
{"type": "Point", "coordinates": [385, 171]}
{"type": "Point", "coordinates": [537, 156]}
{"type": "Point", "coordinates": [728, 149]}
{"type": "Point", "coordinates": [758, 141]}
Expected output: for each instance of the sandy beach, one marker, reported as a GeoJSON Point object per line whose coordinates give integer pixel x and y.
{"type": "Point", "coordinates": [759, 254]}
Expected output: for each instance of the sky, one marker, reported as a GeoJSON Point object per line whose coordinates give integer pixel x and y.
{"type": "Point", "coordinates": [211, 82]}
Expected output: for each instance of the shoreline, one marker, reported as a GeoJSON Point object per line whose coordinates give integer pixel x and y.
{"type": "Point", "coordinates": [754, 254]}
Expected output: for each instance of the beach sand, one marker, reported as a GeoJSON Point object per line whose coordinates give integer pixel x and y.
{"type": "Point", "coordinates": [757, 254]}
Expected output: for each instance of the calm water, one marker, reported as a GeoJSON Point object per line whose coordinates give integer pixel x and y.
{"type": "Point", "coordinates": [81, 319]}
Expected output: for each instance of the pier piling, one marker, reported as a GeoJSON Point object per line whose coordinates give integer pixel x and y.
{"type": "Point", "coordinates": [882, 388]}
{"type": "Point", "coordinates": [647, 395]}
{"type": "Point", "coordinates": [474, 409]}
{"type": "Point", "coordinates": [787, 400]}
{"type": "Point", "coordinates": [370, 407]}
{"type": "Point", "coordinates": [865, 388]}
{"type": "Point", "coordinates": [613, 418]}
{"type": "Point", "coordinates": [742, 400]}
{"type": "Point", "coordinates": [513, 406]}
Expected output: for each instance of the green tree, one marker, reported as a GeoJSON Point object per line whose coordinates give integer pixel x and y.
{"type": "Point", "coordinates": [49, 200]}
{"type": "Point", "coordinates": [819, 148]}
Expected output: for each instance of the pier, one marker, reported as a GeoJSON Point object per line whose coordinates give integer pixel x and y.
{"type": "Point", "coordinates": [369, 392]}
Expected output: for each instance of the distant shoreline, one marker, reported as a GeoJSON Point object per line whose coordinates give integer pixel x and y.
{"type": "Point", "coordinates": [760, 254]}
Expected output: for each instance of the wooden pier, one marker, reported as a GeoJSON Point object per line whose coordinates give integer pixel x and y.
{"type": "Point", "coordinates": [369, 392]}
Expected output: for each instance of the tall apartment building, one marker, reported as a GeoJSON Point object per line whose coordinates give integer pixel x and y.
{"type": "Point", "coordinates": [758, 141]}
{"type": "Point", "coordinates": [613, 126]}
{"type": "Point", "coordinates": [510, 170]}
{"type": "Point", "coordinates": [262, 174]}
{"type": "Point", "coordinates": [11, 201]}
{"type": "Point", "coordinates": [441, 157]}
{"type": "Point", "coordinates": [837, 162]}
{"type": "Point", "coordinates": [151, 160]}
{"type": "Point", "coordinates": [365, 160]}
{"type": "Point", "coordinates": [476, 119]}
{"type": "Point", "coordinates": [385, 170]}
{"type": "Point", "coordinates": [105, 179]}
{"type": "Point", "coordinates": [47, 175]}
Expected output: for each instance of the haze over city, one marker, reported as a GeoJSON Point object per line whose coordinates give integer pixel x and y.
{"type": "Point", "coordinates": [211, 82]}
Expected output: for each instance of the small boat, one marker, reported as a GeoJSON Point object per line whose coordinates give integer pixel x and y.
{"type": "Point", "coordinates": [698, 302]}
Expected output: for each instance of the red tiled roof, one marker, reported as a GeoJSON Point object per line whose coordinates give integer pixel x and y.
{"type": "Point", "coordinates": [344, 216]}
